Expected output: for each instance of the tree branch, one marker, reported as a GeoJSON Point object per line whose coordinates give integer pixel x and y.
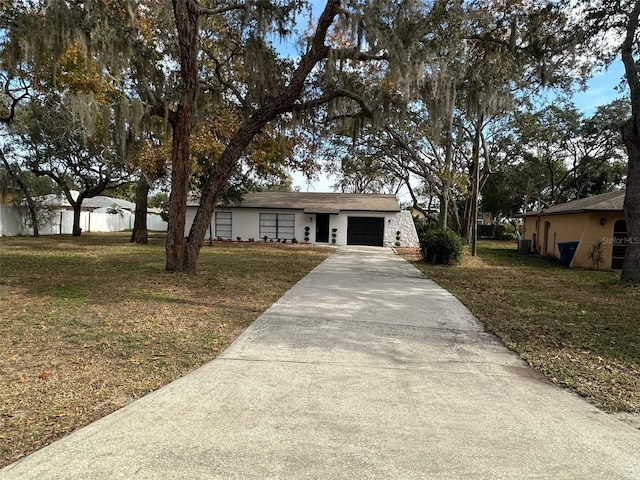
{"type": "Point", "coordinates": [338, 93]}
{"type": "Point", "coordinates": [161, 110]}
{"type": "Point", "coordinates": [14, 101]}
{"type": "Point", "coordinates": [206, 11]}
{"type": "Point", "coordinates": [357, 54]}
{"type": "Point", "coordinates": [218, 74]}
{"type": "Point", "coordinates": [402, 143]}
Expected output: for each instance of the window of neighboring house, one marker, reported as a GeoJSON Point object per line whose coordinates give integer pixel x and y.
{"type": "Point", "coordinates": [223, 225]}
{"type": "Point", "coordinates": [277, 225]}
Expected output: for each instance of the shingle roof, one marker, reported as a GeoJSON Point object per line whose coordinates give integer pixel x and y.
{"type": "Point", "coordinates": [321, 202]}
{"type": "Point", "coordinates": [605, 202]}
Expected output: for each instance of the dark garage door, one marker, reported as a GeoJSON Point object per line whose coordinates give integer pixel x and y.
{"type": "Point", "coordinates": [365, 231]}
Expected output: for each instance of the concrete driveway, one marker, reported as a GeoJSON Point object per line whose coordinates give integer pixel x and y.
{"type": "Point", "coordinates": [364, 370]}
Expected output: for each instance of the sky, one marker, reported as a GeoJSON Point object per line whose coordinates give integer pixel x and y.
{"type": "Point", "coordinates": [601, 89]}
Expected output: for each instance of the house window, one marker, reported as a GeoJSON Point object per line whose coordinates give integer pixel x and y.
{"type": "Point", "coordinates": [223, 225]}
{"type": "Point", "coordinates": [277, 225]}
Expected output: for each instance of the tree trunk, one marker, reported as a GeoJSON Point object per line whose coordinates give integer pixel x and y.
{"type": "Point", "coordinates": [186, 17]}
{"type": "Point", "coordinates": [454, 216]}
{"type": "Point", "coordinates": [216, 183]}
{"type": "Point", "coordinates": [476, 186]}
{"type": "Point", "coordinates": [77, 211]}
{"type": "Point", "coordinates": [446, 184]}
{"type": "Point", "coordinates": [443, 219]}
{"type": "Point", "coordinates": [467, 215]}
{"type": "Point", "coordinates": [631, 138]}
{"type": "Point", "coordinates": [33, 211]}
{"type": "Point", "coordinates": [448, 159]}
{"type": "Point", "coordinates": [631, 264]}
{"type": "Point", "coordinates": [140, 234]}
{"type": "Point", "coordinates": [182, 255]}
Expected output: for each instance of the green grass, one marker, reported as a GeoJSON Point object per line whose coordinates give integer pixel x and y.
{"type": "Point", "coordinates": [89, 324]}
{"type": "Point", "coordinates": [581, 328]}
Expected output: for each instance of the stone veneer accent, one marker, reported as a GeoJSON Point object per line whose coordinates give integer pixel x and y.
{"type": "Point", "coordinates": [402, 221]}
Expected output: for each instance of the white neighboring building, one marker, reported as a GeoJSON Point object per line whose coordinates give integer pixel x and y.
{"type": "Point", "coordinates": [10, 221]}
{"type": "Point", "coordinates": [319, 218]}
{"type": "Point", "coordinates": [99, 214]}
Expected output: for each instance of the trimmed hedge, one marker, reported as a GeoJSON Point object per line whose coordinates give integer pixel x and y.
{"type": "Point", "coordinates": [441, 247]}
{"type": "Point", "coordinates": [504, 231]}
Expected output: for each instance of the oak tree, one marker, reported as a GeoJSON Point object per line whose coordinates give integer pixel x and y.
{"type": "Point", "coordinates": [613, 31]}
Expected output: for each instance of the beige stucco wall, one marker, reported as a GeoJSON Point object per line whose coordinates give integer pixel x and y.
{"type": "Point", "coordinates": [576, 227]}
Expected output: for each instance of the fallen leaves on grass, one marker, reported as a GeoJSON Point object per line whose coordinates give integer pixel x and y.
{"type": "Point", "coordinates": [578, 327]}
{"type": "Point", "coordinates": [92, 323]}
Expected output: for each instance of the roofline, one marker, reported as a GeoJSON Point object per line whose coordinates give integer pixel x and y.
{"type": "Point", "coordinates": [312, 202]}
{"type": "Point", "coordinates": [302, 209]}
{"type": "Point", "coordinates": [543, 213]}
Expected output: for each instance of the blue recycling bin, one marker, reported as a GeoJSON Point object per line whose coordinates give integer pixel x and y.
{"type": "Point", "coordinates": [567, 250]}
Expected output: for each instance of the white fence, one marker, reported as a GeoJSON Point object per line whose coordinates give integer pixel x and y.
{"type": "Point", "coordinates": [10, 221]}
{"type": "Point", "coordinates": [62, 222]}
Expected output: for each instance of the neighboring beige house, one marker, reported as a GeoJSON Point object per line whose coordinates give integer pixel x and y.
{"type": "Point", "coordinates": [320, 218]}
{"type": "Point", "coordinates": [586, 221]}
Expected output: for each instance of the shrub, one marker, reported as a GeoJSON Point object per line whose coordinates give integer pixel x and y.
{"type": "Point", "coordinates": [486, 231]}
{"type": "Point", "coordinates": [423, 226]}
{"type": "Point", "coordinates": [505, 231]}
{"type": "Point", "coordinates": [441, 247]}
{"type": "Point", "coordinates": [596, 254]}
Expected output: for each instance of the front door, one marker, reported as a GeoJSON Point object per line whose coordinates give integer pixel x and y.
{"type": "Point", "coordinates": [322, 228]}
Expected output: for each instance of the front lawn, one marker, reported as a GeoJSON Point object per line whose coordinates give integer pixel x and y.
{"type": "Point", "coordinates": [581, 328]}
{"type": "Point", "coordinates": [89, 324]}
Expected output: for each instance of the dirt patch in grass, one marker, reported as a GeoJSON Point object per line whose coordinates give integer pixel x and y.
{"type": "Point", "coordinates": [89, 324]}
{"type": "Point", "coordinates": [581, 328]}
